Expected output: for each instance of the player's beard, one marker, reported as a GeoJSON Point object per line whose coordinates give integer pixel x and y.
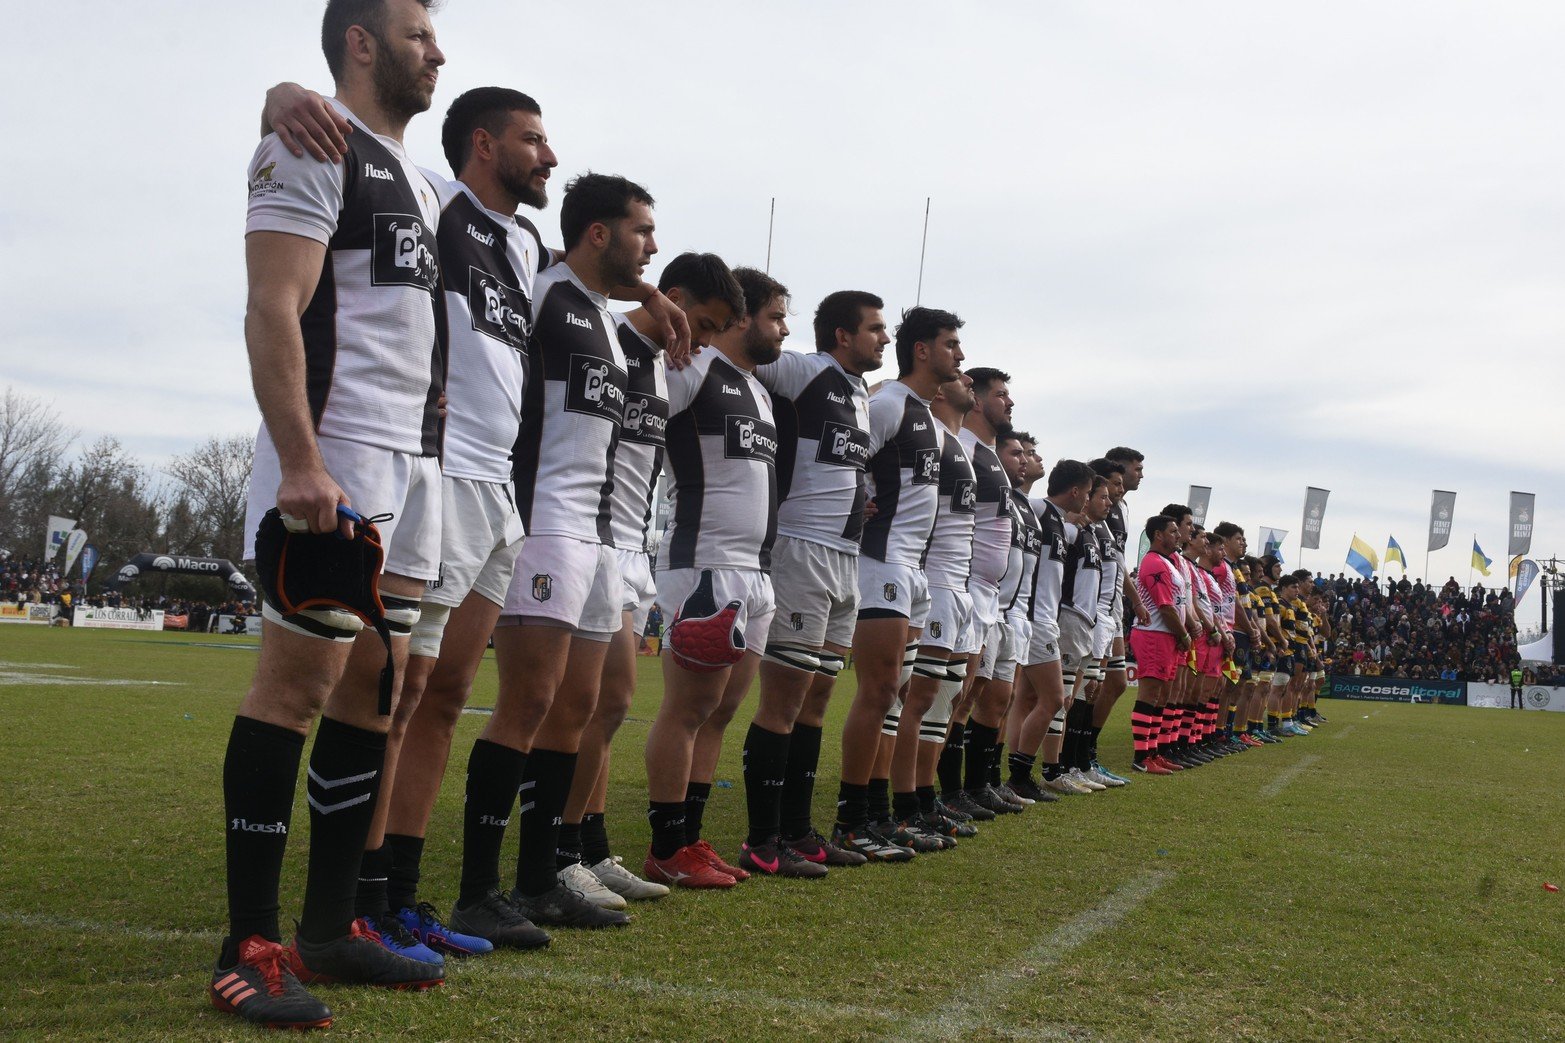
{"type": "Point", "coordinates": [621, 265]}
{"type": "Point", "coordinates": [399, 89]}
{"type": "Point", "coordinates": [519, 183]}
{"type": "Point", "coordinates": [760, 349]}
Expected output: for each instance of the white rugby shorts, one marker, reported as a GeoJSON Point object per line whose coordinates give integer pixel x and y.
{"type": "Point", "coordinates": [751, 588]}
{"type": "Point", "coordinates": [950, 623]}
{"type": "Point", "coordinates": [638, 591]}
{"type": "Point", "coordinates": [480, 537]}
{"type": "Point", "coordinates": [889, 589]}
{"type": "Point", "coordinates": [566, 581]}
{"type": "Point", "coordinates": [817, 593]}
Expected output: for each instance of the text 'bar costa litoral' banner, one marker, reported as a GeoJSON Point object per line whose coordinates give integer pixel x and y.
{"type": "Point", "coordinates": [1522, 507]}
{"type": "Point", "coordinates": [1314, 514]}
{"type": "Point", "coordinates": [1200, 499]}
{"type": "Point", "coordinates": [1396, 689]}
{"type": "Point", "coordinates": [1442, 509]}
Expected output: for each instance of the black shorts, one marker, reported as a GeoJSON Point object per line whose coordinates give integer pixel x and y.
{"type": "Point", "coordinates": [1283, 665]}
{"type": "Point", "coordinates": [1242, 655]}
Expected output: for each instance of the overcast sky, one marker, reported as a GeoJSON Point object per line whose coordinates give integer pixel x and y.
{"type": "Point", "coordinates": [1269, 246]}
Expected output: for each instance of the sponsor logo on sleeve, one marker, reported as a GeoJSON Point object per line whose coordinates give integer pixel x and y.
{"type": "Point", "coordinates": [402, 252]}
{"type": "Point", "coordinates": [265, 182]}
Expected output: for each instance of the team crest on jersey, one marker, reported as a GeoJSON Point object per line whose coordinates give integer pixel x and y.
{"type": "Point", "coordinates": [543, 587]}
{"type": "Point", "coordinates": [843, 445]}
{"type": "Point", "coordinates": [498, 310]}
{"type": "Point", "coordinates": [402, 252]}
{"type": "Point", "coordinates": [926, 467]}
{"type": "Point", "coordinates": [746, 438]}
{"type": "Point", "coordinates": [889, 591]}
{"type": "Point", "coordinates": [596, 387]}
{"type": "Point", "coordinates": [797, 619]}
{"type": "Point", "coordinates": [934, 628]}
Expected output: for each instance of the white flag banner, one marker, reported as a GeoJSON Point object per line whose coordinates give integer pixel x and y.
{"type": "Point", "coordinates": [1442, 509]}
{"type": "Point", "coordinates": [59, 529]}
{"type": "Point", "coordinates": [1523, 506]}
{"type": "Point", "coordinates": [73, 547]}
{"type": "Point", "coordinates": [1314, 514]}
{"type": "Point", "coordinates": [1271, 541]}
{"type": "Point", "coordinates": [1200, 499]}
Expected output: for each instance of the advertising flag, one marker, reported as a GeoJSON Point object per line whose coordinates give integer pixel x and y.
{"type": "Point", "coordinates": [1522, 507]}
{"type": "Point", "coordinates": [1524, 576]}
{"type": "Point", "coordinates": [1394, 553]}
{"type": "Point", "coordinates": [1271, 541]}
{"type": "Point", "coordinates": [1142, 547]}
{"type": "Point", "coordinates": [59, 529]}
{"type": "Point", "coordinates": [89, 561]}
{"type": "Point", "coordinates": [1441, 510]}
{"type": "Point", "coordinates": [1200, 499]}
{"type": "Point", "coordinates": [1481, 561]}
{"type": "Point", "coordinates": [73, 546]}
{"type": "Point", "coordinates": [1314, 513]}
{"type": "Point", "coordinates": [1361, 557]}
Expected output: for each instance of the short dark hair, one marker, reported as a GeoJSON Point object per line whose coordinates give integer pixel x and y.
{"type": "Point", "coordinates": [1022, 436]}
{"type": "Point", "coordinates": [342, 15]}
{"type": "Point", "coordinates": [985, 377]}
{"type": "Point", "coordinates": [1228, 530]}
{"type": "Point", "coordinates": [1124, 455]}
{"type": "Point", "coordinates": [918, 326]}
{"type": "Point", "coordinates": [489, 108]}
{"type": "Point", "coordinates": [706, 278]}
{"type": "Point", "coordinates": [1009, 435]}
{"type": "Point", "coordinates": [1104, 466]}
{"type": "Point", "coordinates": [1156, 524]}
{"type": "Point", "coordinates": [1177, 511]}
{"type": "Point", "coordinates": [843, 310]}
{"type": "Point", "coordinates": [1068, 474]}
{"type": "Point", "coordinates": [1098, 482]}
{"type": "Point", "coordinates": [596, 199]}
{"type": "Point", "coordinates": [759, 289]}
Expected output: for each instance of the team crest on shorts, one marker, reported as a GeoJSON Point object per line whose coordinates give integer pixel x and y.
{"type": "Point", "coordinates": [797, 619]}
{"type": "Point", "coordinates": [543, 586]}
{"type": "Point", "coordinates": [934, 629]}
{"type": "Point", "coordinates": [1048, 648]}
{"type": "Point", "coordinates": [890, 591]}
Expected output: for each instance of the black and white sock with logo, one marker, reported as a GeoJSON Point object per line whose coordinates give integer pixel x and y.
{"type": "Point", "coordinates": [343, 782]}
{"type": "Point", "coordinates": [260, 772]}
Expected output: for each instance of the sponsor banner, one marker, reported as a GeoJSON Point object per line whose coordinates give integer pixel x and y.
{"type": "Point", "coordinates": [1523, 506]}
{"type": "Point", "coordinates": [1314, 514]}
{"type": "Point", "coordinates": [1200, 499]}
{"type": "Point", "coordinates": [1526, 573]}
{"type": "Point", "coordinates": [1498, 696]}
{"type": "Point", "coordinates": [75, 540]}
{"type": "Point", "coordinates": [175, 622]}
{"type": "Point", "coordinates": [59, 529]}
{"type": "Point", "coordinates": [89, 561]}
{"type": "Point", "coordinates": [231, 625]}
{"type": "Point", "coordinates": [1396, 690]}
{"type": "Point", "coordinates": [1442, 509]}
{"type": "Point", "coordinates": [1271, 541]}
{"type": "Point", "coordinates": [26, 612]}
{"type": "Point", "coordinates": [118, 619]}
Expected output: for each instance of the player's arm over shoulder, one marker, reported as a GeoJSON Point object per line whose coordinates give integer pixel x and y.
{"type": "Point", "coordinates": [788, 375]}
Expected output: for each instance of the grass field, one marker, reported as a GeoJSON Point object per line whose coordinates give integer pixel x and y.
{"type": "Point", "coordinates": [1380, 879]}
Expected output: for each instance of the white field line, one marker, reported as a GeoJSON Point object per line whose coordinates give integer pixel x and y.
{"type": "Point", "coordinates": [150, 934]}
{"type": "Point", "coordinates": [1287, 775]}
{"type": "Point", "coordinates": [976, 1003]}
{"type": "Point", "coordinates": [1345, 731]}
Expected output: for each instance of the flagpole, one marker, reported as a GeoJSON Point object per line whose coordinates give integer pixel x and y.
{"type": "Point", "coordinates": [771, 221]}
{"type": "Point", "coordinates": [923, 243]}
{"type": "Point", "coordinates": [1470, 558]}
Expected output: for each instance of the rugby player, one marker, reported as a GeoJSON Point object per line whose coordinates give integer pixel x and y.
{"type": "Point", "coordinates": [822, 409]}
{"type": "Point", "coordinates": [1116, 679]}
{"type": "Point", "coordinates": [713, 575]}
{"type": "Point", "coordinates": [1043, 730]}
{"type": "Point", "coordinates": [1000, 798]}
{"type": "Point", "coordinates": [1080, 593]}
{"type": "Point", "coordinates": [1079, 754]}
{"type": "Point", "coordinates": [703, 286]}
{"type": "Point", "coordinates": [343, 355]}
{"type": "Point", "coordinates": [1161, 642]}
{"type": "Point", "coordinates": [1110, 680]}
{"type": "Point", "coordinates": [904, 475]}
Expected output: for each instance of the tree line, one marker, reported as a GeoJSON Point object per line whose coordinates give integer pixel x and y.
{"type": "Point", "coordinates": [193, 505]}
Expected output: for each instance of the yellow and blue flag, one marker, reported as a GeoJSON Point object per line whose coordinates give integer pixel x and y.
{"type": "Point", "coordinates": [1481, 561]}
{"type": "Point", "coordinates": [1394, 553]}
{"type": "Point", "coordinates": [1361, 557]}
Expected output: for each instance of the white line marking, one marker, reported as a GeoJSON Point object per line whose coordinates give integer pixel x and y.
{"type": "Point", "coordinates": [1345, 731]}
{"type": "Point", "coordinates": [1287, 775]}
{"type": "Point", "coordinates": [151, 934]}
{"type": "Point", "coordinates": [978, 1001]}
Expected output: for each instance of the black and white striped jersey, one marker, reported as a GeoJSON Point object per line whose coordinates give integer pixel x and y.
{"type": "Point", "coordinates": [1048, 580]}
{"type": "Point", "coordinates": [992, 521]}
{"type": "Point", "coordinates": [1113, 578]}
{"type": "Point", "coordinates": [572, 413]}
{"type": "Point", "coordinates": [949, 558]}
{"type": "Point", "coordinates": [488, 263]}
{"type": "Point", "coordinates": [823, 427]}
{"type": "Point", "coordinates": [639, 458]}
{"type": "Point", "coordinates": [1120, 529]}
{"type": "Point", "coordinates": [1026, 546]}
{"type": "Point", "coordinates": [904, 475]}
{"type": "Point", "coordinates": [722, 455]}
{"type": "Point", "coordinates": [371, 355]}
{"type": "Point", "coordinates": [1083, 580]}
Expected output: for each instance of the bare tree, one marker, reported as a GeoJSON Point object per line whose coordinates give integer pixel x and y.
{"type": "Point", "coordinates": [33, 441]}
{"type": "Point", "coordinates": [214, 479]}
{"type": "Point", "coordinates": [107, 491]}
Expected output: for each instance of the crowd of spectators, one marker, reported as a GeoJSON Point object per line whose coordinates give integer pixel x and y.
{"type": "Point", "coordinates": [25, 579]}
{"type": "Point", "coordinates": [1409, 629]}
